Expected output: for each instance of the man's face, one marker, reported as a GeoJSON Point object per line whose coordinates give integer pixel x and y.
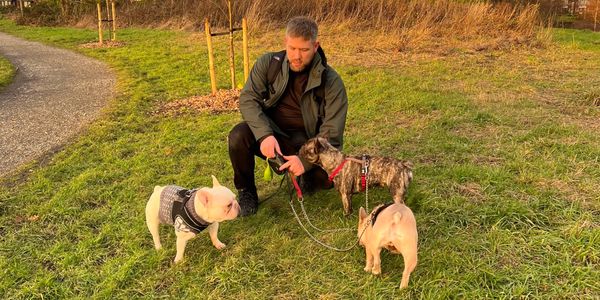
{"type": "Point", "coordinates": [300, 52]}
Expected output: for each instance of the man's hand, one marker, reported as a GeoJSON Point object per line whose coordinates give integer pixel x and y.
{"type": "Point", "coordinates": [268, 146]}
{"type": "Point", "coordinates": [293, 164]}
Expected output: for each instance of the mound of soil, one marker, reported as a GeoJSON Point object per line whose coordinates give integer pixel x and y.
{"type": "Point", "coordinates": [107, 44]}
{"type": "Point", "coordinates": [222, 101]}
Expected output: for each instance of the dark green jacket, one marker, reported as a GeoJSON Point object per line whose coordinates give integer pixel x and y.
{"type": "Point", "coordinates": [252, 104]}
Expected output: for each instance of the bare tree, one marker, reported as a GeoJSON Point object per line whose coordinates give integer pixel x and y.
{"type": "Point", "coordinates": [597, 8]}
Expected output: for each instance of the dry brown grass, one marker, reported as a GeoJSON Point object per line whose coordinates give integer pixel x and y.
{"type": "Point", "coordinates": [441, 26]}
{"type": "Point", "coordinates": [106, 44]}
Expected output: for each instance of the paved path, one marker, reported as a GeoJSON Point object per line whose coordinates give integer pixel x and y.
{"type": "Point", "coordinates": [55, 94]}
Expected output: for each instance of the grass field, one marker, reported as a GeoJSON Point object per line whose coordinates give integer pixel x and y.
{"type": "Point", "coordinates": [507, 169]}
{"type": "Point", "coordinates": [7, 72]}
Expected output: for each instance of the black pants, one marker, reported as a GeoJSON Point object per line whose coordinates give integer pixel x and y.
{"type": "Point", "coordinates": [243, 147]}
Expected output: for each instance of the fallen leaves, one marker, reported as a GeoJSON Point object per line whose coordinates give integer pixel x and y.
{"type": "Point", "coordinates": [222, 101]}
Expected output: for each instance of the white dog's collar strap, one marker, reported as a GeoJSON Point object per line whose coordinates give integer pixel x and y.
{"type": "Point", "coordinates": [377, 210]}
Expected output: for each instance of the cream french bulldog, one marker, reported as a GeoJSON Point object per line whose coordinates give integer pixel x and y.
{"type": "Point", "coordinates": [190, 211]}
{"type": "Point", "coordinates": [393, 227]}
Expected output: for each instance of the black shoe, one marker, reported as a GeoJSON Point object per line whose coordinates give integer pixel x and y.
{"type": "Point", "coordinates": [248, 200]}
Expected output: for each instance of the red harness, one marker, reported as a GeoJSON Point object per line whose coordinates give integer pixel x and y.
{"type": "Point", "coordinates": [337, 170]}
{"type": "Point", "coordinates": [363, 173]}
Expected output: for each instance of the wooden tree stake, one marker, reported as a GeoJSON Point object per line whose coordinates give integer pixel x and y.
{"type": "Point", "coordinates": [245, 47]}
{"type": "Point", "coordinates": [114, 22]}
{"type": "Point", "coordinates": [231, 55]}
{"type": "Point", "coordinates": [99, 23]}
{"type": "Point", "coordinates": [211, 61]}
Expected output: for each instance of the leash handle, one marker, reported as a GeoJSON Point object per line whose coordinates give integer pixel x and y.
{"type": "Point", "coordinates": [297, 187]}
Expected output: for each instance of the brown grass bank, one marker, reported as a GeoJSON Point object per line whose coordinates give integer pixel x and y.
{"type": "Point", "coordinates": [440, 26]}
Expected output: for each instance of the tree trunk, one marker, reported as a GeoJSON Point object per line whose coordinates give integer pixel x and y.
{"type": "Point", "coordinates": [64, 8]}
{"type": "Point", "coordinates": [596, 15]}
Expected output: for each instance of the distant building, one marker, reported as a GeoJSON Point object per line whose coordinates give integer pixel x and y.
{"type": "Point", "coordinates": [575, 7]}
{"type": "Point", "coordinates": [8, 2]}
{"type": "Point", "coordinates": [26, 3]}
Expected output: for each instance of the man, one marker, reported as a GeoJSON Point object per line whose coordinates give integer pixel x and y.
{"type": "Point", "coordinates": [280, 117]}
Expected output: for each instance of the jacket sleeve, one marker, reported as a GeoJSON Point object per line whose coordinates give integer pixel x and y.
{"type": "Point", "coordinates": [336, 108]}
{"type": "Point", "coordinates": [251, 97]}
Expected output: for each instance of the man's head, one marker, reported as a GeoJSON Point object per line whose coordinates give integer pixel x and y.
{"type": "Point", "coordinates": [301, 42]}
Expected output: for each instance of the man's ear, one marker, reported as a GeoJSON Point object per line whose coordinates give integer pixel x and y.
{"type": "Point", "coordinates": [317, 45]}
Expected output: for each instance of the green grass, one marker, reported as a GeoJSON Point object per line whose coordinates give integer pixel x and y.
{"type": "Point", "coordinates": [507, 168]}
{"type": "Point", "coordinates": [7, 72]}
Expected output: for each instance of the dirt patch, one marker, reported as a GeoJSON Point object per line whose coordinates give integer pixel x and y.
{"type": "Point", "coordinates": [471, 190]}
{"type": "Point", "coordinates": [222, 101]}
{"type": "Point", "coordinates": [108, 44]}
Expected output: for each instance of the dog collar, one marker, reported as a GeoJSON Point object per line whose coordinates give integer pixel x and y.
{"type": "Point", "coordinates": [377, 210]}
{"type": "Point", "coordinates": [337, 170]}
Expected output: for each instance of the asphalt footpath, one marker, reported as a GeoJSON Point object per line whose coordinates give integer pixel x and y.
{"type": "Point", "coordinates": [55, 94]}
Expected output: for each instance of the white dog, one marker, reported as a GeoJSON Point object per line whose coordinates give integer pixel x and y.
{"type": "Point", "coordinates": [392, 227]}
{"type": "Point", "coordinates": [190, 212]}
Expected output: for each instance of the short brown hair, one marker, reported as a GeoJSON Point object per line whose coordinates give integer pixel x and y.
{"type": "Point", "coordinates": [304, 27]}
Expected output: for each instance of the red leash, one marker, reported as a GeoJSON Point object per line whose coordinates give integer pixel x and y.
{"type": "Point", "coordinates": [296, 186]}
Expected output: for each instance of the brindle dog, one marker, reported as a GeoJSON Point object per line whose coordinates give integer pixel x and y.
{"type": "Point", "coordinates": [383, 171]}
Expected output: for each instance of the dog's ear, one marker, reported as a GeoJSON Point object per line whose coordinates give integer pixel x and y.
{"type": "Point", "coordinates": [314, 145]}
{"type": "Point", "coordinates": [215, 181]}
{"type": "Point", "coordinates": [362, 213]}
{"type": "Point", "coordinates": [202, 196]}
{"type": "Point", "coordinates": [321, 144]}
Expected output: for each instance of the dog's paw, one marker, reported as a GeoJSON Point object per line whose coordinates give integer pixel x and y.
{"type": "Point", "coordinates": [220, 246]}
{"type": "Point", "coordinates": [367, 269]}
{"type": "Point", "coordinates": [376, 271]}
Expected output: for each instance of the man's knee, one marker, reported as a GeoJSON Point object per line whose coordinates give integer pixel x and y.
{"type": "Point", "coordinates": [240, 136]}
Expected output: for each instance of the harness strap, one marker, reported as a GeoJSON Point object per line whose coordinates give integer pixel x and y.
{"type": "Point", "coordinates": [364, 172]}
{"type": "Point", "coordinates": [377, 210]}
{"type": "Point", "coordinates": [181, 209]}
{"type": "Point", "coordinates": [337, 170]}
{"type": "Point", "coordinates": [272, 72]}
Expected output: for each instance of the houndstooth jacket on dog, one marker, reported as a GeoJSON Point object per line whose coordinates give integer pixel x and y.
{"type": "Point", "coordinates": [178, 211]}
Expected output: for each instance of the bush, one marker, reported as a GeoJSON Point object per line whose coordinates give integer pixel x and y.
{"type": "Point", "coordinates": [42, 13]}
